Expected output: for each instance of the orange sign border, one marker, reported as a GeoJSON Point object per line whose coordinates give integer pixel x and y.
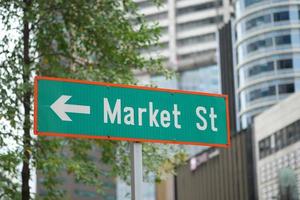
{"type": "Point", "coordinates": [36, 132]}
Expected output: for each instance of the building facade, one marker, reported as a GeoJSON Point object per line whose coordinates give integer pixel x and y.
{"type": "Point", "coordinates": [188, 42]}
{"type": "Point", "coordinates": [277, 147]}
{"type": "Point", "coordinates": [267, 54]}
{"type": "Point", "coordinates": [219, 174]}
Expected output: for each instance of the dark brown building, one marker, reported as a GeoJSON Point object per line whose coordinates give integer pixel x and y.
{"type": "Point", "coordinates": [227, 71]}
{"type": "Point", "coordinates": [219, 174]}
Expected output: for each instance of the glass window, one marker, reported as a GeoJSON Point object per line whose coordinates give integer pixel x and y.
{"type": "Point", "coordinates": [254, 46]}
{"type": "Point", "coordinates": [297, 130]}
{"type": "Point", "coordinates": [196, 8]}
{"type": "Point", "coordinates": [286, 88]}
{"type": "Point", "coordinates": [157, 47]}
{"type": "Point", "coordinates": [201, 79]}
{"type": "Point", "coordinates": [195, 55]}
{"type": "Point", "coordinates": [162, 82]}
{"type": "Point", "coordinates": [287, 136]}
{"type": "Point", "coordinates": [261, 68]}
{"type": "Point", "coordinates": [265, 147]}
{"type": "Point", "coordinates": [164, 30]}
{"type": "Point", "coordinates": [156, 16]}
{"type": "Point", "coordinates": [290, 134]}
{"type": "Point", "coordinates": [196, 39]}
{"type": "Point", "coordinates": [146, 4]}
{"type": "Point", "coordinates": [283, 40]}
{"type": "Point", "coordinates": [254, 94]}
{"type": "Point", "coordinates": [279, 140]}
{"type": "Point", "coordinates": [258, 21]}
{"type": "Point", "coordinates": [198, 23]}
{"type": "Point", "coordinates": [285, 64]}
{"type": "Point", "coordinates": [250, 2]}
{"type": "Point", "coordinates": [262, 92]}
{"type": "Point", "coordinates": [281, 16]}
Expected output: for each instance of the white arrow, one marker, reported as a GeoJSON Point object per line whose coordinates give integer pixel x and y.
{"type": "Point", "coordinates": [61, 108]}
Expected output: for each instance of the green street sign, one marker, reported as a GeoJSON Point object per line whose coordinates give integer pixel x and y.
{"type": "Point", "coordinates": [83, 109]}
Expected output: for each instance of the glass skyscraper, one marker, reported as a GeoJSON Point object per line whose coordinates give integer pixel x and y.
{"type": "Point", "coordinates": [267, 54]}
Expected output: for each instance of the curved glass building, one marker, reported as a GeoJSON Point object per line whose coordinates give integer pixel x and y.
{"type": "Point", "coordinates": [267, 54]}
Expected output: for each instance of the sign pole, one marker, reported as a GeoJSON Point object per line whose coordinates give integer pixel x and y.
{"type": "Point", "coordinates": [136, 170]}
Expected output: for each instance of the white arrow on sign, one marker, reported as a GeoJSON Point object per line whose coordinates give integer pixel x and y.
{"type": "Point", "coordinates": [61, 108]}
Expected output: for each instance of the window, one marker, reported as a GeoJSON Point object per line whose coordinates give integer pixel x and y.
{"type": "Point", "coordinates": [279, 140]}
{"type": "Point", "coordinates": [291, 136]}
{"type": "Point", "coordinates": [164, 30]}
{"type": "Point", "coordinates": [196, 39]}
{"type": "Point", "coordinates": [155, 47]}
{"type": "Point", "coordinates": [199, 23]}
{"type": "Point", "coordinates": [158, 47]}
{"type": "Point", "coordinates": [297, 131]}
{"type": "Point", "coordinates": [146, 4]}
{"type": "Point", "coordinates": [259, 45]}
{"type": "Point", "coordinates": [157, 16]}
{"type": "Point", "coordinates": [262, 92]}
{"type": "Point", "coordinates": [287, 136]}
{"type": "Point", "coordinates": [283, 40]}
{"type": "Point", "coordinates": [250, 2]}
{"type": "Point", "coordinates": [201, 79]}
{"type": "Point", "coordinates": [254, 95]}
{"type": "Point", "coordinates": [196, 54]}
{"type": "Point", "coordinates": [286, 88]}
{"type": "Point", "coordinates": [257, 69]}
{"type": "Point", "coordinates": [196, 8]}
{"type": "Point", "coordinates": [265, 147]}
{"type": "Point", "coordinates": [285, 64]}
{"type": "Point", "coordinates": [258, 21]}
{"type": "Point", "coordinates": [281, 16]}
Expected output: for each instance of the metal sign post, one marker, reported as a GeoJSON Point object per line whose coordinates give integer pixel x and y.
{"type": "Point", "coordinates": [136, 170]}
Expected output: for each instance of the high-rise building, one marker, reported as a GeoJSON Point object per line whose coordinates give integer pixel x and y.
{"type": "Point", "coordinates": [188, 45]}
{"type": "Point", "coordinates": [277, 150]}
{"type": "Point", "coordinates": [267, 54]}
{"type": "Point", "coordinates": [188, 42]}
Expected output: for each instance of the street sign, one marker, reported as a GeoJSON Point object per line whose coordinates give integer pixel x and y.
{"type": "Point", "coordinates": [83, 109]}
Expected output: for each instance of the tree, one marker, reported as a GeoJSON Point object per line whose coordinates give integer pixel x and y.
{"type": "Point", "coordinates": [82, 39]}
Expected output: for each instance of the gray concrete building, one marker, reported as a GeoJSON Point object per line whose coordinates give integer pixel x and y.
{"type": "Point", "coordinates": [188, 43]}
